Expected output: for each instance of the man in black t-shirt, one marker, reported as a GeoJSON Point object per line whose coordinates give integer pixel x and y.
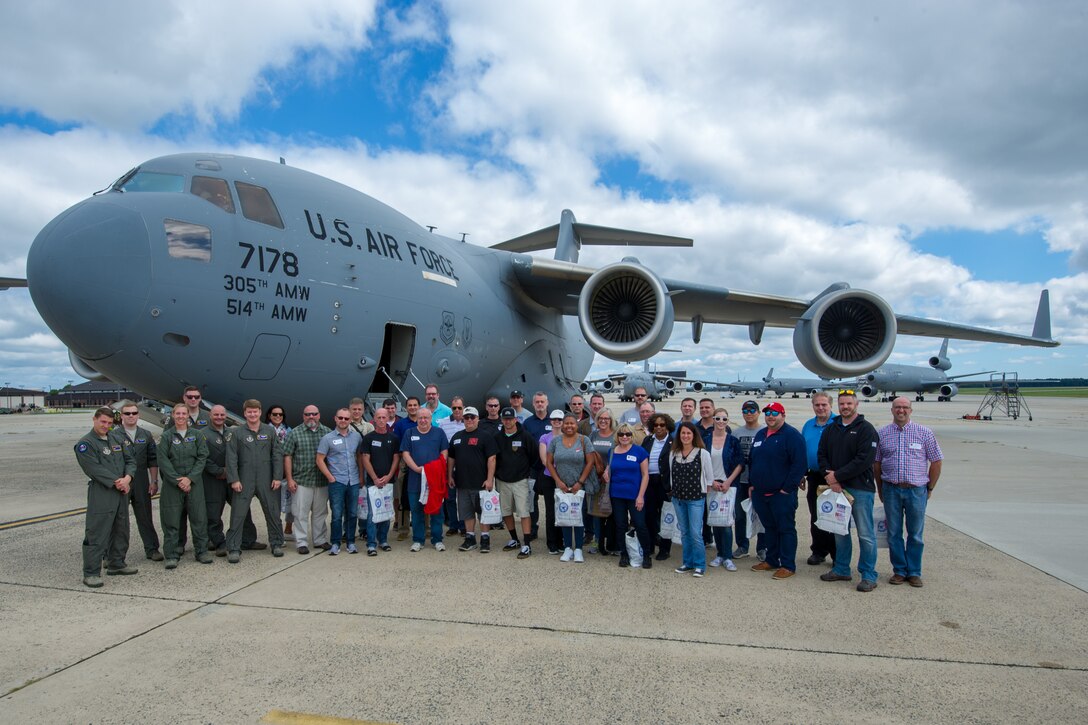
{"type": "Point", "coordinates": [379, 455]}
{"type": "Point", "coordinates": [472, 469]}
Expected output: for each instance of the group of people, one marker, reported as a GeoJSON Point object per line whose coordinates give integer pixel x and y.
{"type": "Point", "coordinates": [443, 466]}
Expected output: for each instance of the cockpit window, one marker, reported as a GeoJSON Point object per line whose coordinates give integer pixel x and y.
{"type": "Point", "coordinates": [257, 204]}
{"type": "Point", "coordinates": [153, 181]}
{"type": "Point", "coordinates": [214, 190]}
{"type": "Point", "coordinates": [186, 240]}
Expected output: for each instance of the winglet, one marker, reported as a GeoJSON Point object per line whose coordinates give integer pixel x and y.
{"type": "Point", "coordinates": [1042, 317]}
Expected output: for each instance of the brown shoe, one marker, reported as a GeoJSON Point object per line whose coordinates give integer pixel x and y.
{"type": "Point", "coordinates": [782, 573]}
{"type": "Point", "coordinates": [915, 581]}
{"type": "Point", "coordinates": [288, 529]}
{"type": "Point", "coordinates": [897, 579]}
{"type": "Point", "coordinates": [762, 566]}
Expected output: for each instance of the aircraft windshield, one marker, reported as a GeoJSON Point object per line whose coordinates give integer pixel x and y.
{"type": "Point", "coordinates": [257, 204]}
{"type": "Point", "coordinates": [153, 181]}
{"type": "Point", "coordinates": [214, 190]}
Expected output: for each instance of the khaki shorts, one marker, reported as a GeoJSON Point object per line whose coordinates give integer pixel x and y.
{"type": "Point", "coordinates": [514, 496]}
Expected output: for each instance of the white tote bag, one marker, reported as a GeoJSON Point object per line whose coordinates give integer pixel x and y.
{"type": "Point", "coordinates": [362, 508]}
{"type": "Point", "coordinates": [755, 526]}
{"type": "Point", "coordinates": [880, 526]}
{"type": "Point", "coordinates": [833, 513]}
{"type": "Point", "coordinates": [668, 521]}
{"type": "Point", "coordinates": [634, 549]}
{"type": "Point", "coordinates": [381, 503]}
{"type": "Point", "coordinates": [490, 511]}
{"type": "Point", "coordinates": [720, 507]}
{"type": "Point", "coordinates": [568, 508]}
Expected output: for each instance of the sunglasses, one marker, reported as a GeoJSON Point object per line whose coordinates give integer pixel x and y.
{"type": "Point", "coordinates": [660, 425]}
{"type": "Point", "coordinates": [749, 410]}
{"type": "Point", "coordinates": [133, 412]}
{"type": "Point", "coordinates": [772, 414]}
{"type": "Point", "coordinates": [342, 417]}
{"type": "Point", "coordinates": [624, 435]}
{"type": "Point", "coordinates": [313, 415]}
{"type": "Point", "coordinates": [492, 405]}
{"type": "Point", "coordinates": [191, 396]}
{"type": "Point", "coordinates": [721, 419]}
{"type": "Point", "coordinates": [846, 391]}
{"type": "Point", "coordinates": [470, 416]}
{"type": "Point", "coordinates": [275, 415]}
{"type": "Point", "coordinates": [457, 407]}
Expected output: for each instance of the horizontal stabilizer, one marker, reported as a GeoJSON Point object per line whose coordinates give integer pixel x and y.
{"type": "Point", "coordinates": [589, 234]}
{"type": "Point", "coordinates": [9, 282]}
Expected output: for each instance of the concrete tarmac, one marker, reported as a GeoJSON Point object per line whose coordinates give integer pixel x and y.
{"type": "Point", "coordinates": [998, 634]}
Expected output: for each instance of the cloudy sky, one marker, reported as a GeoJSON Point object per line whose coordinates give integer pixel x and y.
{"type": "Point", "coordinates": [933, 152]}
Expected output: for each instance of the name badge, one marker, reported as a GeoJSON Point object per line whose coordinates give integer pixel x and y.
{"type": "Point", "coordinates": [916, 446]}
{"type": "Point", "coordinates": [515, 444]}
{"type": "Point", "coordinates": [262, 437]}
{"type": "Point", "coordinates": [190, 439]}
{"type": "Point", "coordinates": [548, 428]}
{"type": "Point", "coordinates": [141, 440]}
{"type": "Point", "coordinates": [337, 441]}
{"type": "Point", "coordinates": [633, 459]}
{"type": "Point", "coordinates": [116, 448]}
{"type": "Point", "coordinates": [757, 444]}
{"type": "Point", "coordinates": [415, 438]}
{"type": "Point", "coordinates": [375, 444]}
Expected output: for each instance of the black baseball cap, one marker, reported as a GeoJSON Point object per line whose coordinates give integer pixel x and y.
{"type": "Point", "coordinates": [750, 404]}
{"type": "Point", "coordinates": [516, 394]}
{"type": "Point", "coordinates": [508, 412]}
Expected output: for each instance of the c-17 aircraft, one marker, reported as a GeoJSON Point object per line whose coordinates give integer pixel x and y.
{"type": "Point", "coordinates": [657, 386]}
{"type": "Point", "coordinates": [252, 279]}
{"type": "Point", "coordinates": [891, 378]}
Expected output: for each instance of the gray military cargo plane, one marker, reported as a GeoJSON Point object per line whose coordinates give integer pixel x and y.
{"type": "Point", "coordinates": [255, 279]}
{"type": "Point", "coordinates": [796, 386]}
{"type": "Point", "coordinates": [891, 378]}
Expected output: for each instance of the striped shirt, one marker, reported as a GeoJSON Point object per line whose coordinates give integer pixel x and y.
{"type": "Point", "coordinates": [904, 454]}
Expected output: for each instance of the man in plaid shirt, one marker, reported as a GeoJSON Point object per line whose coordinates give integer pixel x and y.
{"type": "Point", "coordinates": [907, 466]}
{"type": "Point", "coordinates": [309, 489]}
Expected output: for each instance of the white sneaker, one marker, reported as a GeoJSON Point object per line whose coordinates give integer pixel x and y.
{"type": "Point", "coordinates": [416, 546]}
{"type": "Point", "coordinates": [717, 561]}
{"type": "Point", "coordinates": [729, 565]}
{"type": "Point", "coordinates": [578, 558]}
{"type": "Point", "coordinates": [568, 554]}
{"type": "Point", "coordinates": [439, 546]}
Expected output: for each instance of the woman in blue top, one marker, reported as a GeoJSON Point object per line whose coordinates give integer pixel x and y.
{"type": "Point", "coordinates": [628, 475]}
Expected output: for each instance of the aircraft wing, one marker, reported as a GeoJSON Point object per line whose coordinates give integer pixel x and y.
{"type": "Point", "coordinates": [626, 312]}
{"type": "Point", "coordinates": [9, 282]}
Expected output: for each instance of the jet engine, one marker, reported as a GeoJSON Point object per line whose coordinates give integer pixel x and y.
{"type": "Point", "coordinates": [607, 385]}
{"type": "Point", "coordinates": [867, 391]}
{"type": "Point", "coordinates": [695, 387]}
{"type": "Point", "coordinates": [625, 312]}
{"type": "Point", "coordinates": [948, 390]}
{"type": "Point", "coordinates": [940, 363]}
{"type": "Point", "coordinates": [584, 387]}
{"type": "Point", "coordinates": [845, 333]}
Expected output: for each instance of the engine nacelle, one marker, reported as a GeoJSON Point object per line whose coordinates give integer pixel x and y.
{"type": "Point", "coordinates": [845, 333]}
{"type": "Point", "coordinates": [948, 390]}
{"type": "Point", "coordinates": [668, 383]}
{"type": "Point", "coordinates": [867, 391]}
{"type": "Point", "coordinates": [940, 363]}
{"type": "Point", "coordinates": [607, 385]}
{"type": "Point", "coordinates": [695, 387]}
{"type": "Point", "coordinates": [584, 387]}
{"type": "Point", "coordinates": [625, 312]}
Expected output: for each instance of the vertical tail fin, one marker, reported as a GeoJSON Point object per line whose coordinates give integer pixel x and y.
{"type": "Point", "coordinates": [1042, 317]}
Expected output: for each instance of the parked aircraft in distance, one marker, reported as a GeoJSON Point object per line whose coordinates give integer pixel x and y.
{"type": "Point", "coordinates": [253, 279]}
{"type": "Point", "coordinates": [891, 378]}
{"type": "Point", "coordinates": [808, 386]}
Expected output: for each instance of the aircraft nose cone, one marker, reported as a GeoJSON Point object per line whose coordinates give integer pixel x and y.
{"type": "Point", "coordinates": [89, 273]}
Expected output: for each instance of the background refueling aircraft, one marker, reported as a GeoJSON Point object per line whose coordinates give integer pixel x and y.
{"type": "Point", "coordinates": [796, 386]}
{"type": "Point", "coordinates": [254, 279]}
{"type": "Point", "coordinates": [891, 378]}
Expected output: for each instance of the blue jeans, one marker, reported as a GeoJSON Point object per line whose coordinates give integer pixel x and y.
{"type": "Point", "coordinates": [419, 532]}
{"type": "Point", "coordinates": [578, 533]}
{"type": "Point", "coordinates": [911, 503]}
{"type": "Point", "coordinates": [689, 519]}
{"type": "Point", "coordinates": [778, 514]}
{"type": "Point", "coordinates": [344, 501]}
{"type": "Point", "coordinates": [863, 523]}
{"type": "Point", "coordinates": [723, 540]}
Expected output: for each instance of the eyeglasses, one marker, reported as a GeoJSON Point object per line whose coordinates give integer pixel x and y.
{"type": "Point", "coordinates": [193, 396]}
{"type": "Point", "coordinates": [721, 419]}
{"type": "Point", "coordinates": [130, 412]}
{"type": "Point", "coordinates": [624, 435]}
{"type": "Point", "coordinates": [846, 391]}
{"type": "Point", "coordinates": [312, 415]}
{"type": "Point", "coordinates": [772, 414]}
{"type": "Point", "coordinates": [605, 417]}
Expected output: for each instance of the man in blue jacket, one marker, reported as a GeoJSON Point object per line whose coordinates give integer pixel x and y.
{"type": "Point", "coordinates": [777, 464]}
{"type": "Point", "coordinates": [846, 453]}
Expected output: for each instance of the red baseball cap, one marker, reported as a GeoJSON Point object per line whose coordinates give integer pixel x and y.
{"type": "Point", "coordinates": [777, 407]}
